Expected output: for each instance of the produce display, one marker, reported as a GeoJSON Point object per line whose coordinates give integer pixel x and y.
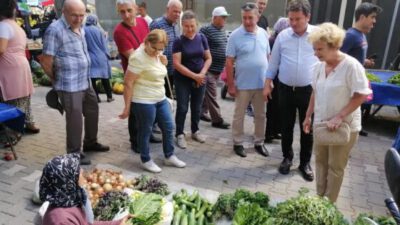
{"type": "Point", "coordinates": [117, 80]}
{"type": "Point", "coordinates": [305, 209]}
{"type": "Point", "coordinates": [381, 220]}
{"type": "Point", "coordinates": [373, 78]}
{"type": "Point", "coordinates": [191, 209]}
{"type": "Point", "coordinates": [147, 209]}
{"type": "Point", "coordinates": [395, 79]}
{"type": "Point", "coordinates": [250, 214]}
{"type": "Point", "coordinates": [110, 204]}
{"type": "Point", "coordinates": [101, 181]}
{"type": "Point", "coordinates": [151, 185]}
{"type": "Point", "coordinates": [113, 197]}
{"type": "Point", "coordinates": [227, 204]}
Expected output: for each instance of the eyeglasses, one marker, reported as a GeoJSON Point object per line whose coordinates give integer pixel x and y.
{"type": "Point", "coordinates": [157, 49]}
{"type": "Point", "coordinates": [249, 6]}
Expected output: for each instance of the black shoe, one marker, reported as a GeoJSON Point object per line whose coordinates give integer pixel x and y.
{"type": "Point", "coordinates": [278, 136]}
{"type": "Point", "coordinates": [222, 125]}
{"type": "Point", "coordinates": [284, 168]}
{"type": "Point", "coordinates": [363, 133]}
{"type": "Point", "coordinates": [205, 118]}
{"type": "Point", "coordinates": [110, 99]}
{"type": "Point", "coordinates": [84, 160]}
{"type": "Point", "coordinates": [268, 139]}
{"type": "Point", "coordinates": [307, 172]}
{"type": "Point", "coordinates": [262, 150]}
{"type": "Point", "coordinates": [154, 139]}
{"type": "Point", "coordinates": [97, 147]}
{"type": "Point", "coordinates": [239, 150]}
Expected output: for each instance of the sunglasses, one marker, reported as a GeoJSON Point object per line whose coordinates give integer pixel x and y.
{"type": "Point", "coordinates": [249, 6]}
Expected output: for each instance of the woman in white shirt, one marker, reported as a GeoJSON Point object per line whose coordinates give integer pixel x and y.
{"type": "Point", "coordinates": [339, 88]}
{"type": "Point", "coordinates": [144, 89]}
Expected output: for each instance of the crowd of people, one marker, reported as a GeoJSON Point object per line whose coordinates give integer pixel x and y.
{"type": "Point", "coordinates": [315, 72]}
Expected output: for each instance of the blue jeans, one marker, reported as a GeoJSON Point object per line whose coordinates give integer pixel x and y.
{"type": "Point", "coordinates": [185, 92]}
{"type": "Point", "coordinates": [396, 143]}
{"type": "Point", "coordinates": [145, 115]}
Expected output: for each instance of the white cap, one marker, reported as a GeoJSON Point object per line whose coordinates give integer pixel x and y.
{"type": "Point", "coordinates": [220, 11]}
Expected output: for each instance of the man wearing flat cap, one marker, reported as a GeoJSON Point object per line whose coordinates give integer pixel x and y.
{"type": "Point", "coordinates": [217, 40]}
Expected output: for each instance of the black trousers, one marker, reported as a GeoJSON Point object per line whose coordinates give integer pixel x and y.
{"type": "Point", "coordinates": [292, 100]}
{"type": "Point", "coordinates": [106, 85]}
{"type": "Point", "coordinates": [273, 125]}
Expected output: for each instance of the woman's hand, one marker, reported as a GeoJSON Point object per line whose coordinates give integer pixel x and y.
{"type": "Point", "coordinates": [125, 220]}
{"type": "Point", "coordinates": [334, 123]}
{"type": "Point", "coordinates": [124, 113]}
{"type": "Point", "coordinates": [163, 59]}
{"type": "Point", "coordinates": [307, 125]}
{"type": "Point", "coordinates": [200, 79]}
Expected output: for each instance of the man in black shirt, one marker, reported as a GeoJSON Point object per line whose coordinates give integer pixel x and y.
{"type": "Point", "coordinates": [263, 21]}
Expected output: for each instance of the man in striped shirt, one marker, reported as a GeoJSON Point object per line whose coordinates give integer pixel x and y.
{"type": "Point", "coordinates": [169, 23]}
{"type": "Point", "coordinates": [217, 40]}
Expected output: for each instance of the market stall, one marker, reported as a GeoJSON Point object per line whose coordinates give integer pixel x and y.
{"type": "Point", "coordinates": [384, 92]}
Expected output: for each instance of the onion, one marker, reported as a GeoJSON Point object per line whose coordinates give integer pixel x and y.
{"type": "Point", "coordinates": [107, 187]}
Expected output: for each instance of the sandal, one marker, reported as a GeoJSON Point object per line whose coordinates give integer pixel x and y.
{"type": "Point", "coordinates": [31, 128]}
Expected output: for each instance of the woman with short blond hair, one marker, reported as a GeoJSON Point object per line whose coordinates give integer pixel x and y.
{"type": "Point", "coordinates": [339, 88]}
{"type": "Point", "coordinates": [144, 88]}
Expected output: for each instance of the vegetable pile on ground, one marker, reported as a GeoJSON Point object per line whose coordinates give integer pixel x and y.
{"type": "Point", "coordinates": [250, 214]}
{"type": "Point", "coordinates": [395, 79]}
{"type": "Point", "coordinates": [306, 210]}
{"type": "Point", "coordinates": [110, 204]}
{"type": "Point", "coordinates": [381, 220]}
{"type": "Point", "coordinates": [101, 181]}
{"type": "Point", "coordinates": [227, 204]}
{"type": "Point", "coordinates": [117, 80]}
{"type": "Point", "coordinates": [151, 185]}
{"type": "Point", "coordinates": [147, 208]}
{"type": "Point", "coordinates": [191, 209]}
{"type": "Point", "coordinates": [38, 74]}
{"type": "Point", "coordinates": [373, 78]}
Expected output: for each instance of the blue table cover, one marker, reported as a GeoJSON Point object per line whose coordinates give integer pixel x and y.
{"type": "Point", "coordinates": [385, 93]}
{"type": "Point", "coordinates": [12, 117]}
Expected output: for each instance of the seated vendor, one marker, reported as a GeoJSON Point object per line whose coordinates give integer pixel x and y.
{"type": "Point", "coordinates": [60, 185]}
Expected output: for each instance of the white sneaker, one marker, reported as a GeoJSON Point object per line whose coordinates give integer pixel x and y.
{"type": "Point", "coordinates": [151, 166]}
{"type": "Point", "coordinates": [174, 161]}
{"type": "Point", "coordinates": [181, 141]}
{"type": "Point", "coordinates": [198, 137]}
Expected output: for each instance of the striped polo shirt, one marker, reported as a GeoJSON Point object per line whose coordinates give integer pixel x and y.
{"type": "Point", "coordinates": [217, 41]}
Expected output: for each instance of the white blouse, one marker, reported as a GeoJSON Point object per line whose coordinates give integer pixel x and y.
{"type": "Point", "coordinates": [334, 92]}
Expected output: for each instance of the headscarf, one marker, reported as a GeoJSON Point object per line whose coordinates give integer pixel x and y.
{"type": "Point", "coordinates": [281, 24]}
{"type": "Point", "coordinates": [91, 20]}
{"type": "Point", "coordinates": [59, 182]}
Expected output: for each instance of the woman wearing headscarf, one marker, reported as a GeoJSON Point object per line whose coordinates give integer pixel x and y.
{"type": "Point", "coordinates": [16, 86]}
{"type": "Point", "coordinates": [68, 202]}
{"type": "Point", "coordinates": [97, 46]}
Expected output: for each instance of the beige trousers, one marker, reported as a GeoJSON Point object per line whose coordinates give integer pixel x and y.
{"type": "Point", "coordinates": [242, 100]}
{"type": "Point", "coordinates": [330, 162]}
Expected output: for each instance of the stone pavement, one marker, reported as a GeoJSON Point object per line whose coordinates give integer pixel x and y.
{"type": "Point", "coordinates": [211, 165]}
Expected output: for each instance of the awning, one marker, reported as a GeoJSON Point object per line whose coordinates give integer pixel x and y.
{"type": "Point", "coordinates": [47, 2]}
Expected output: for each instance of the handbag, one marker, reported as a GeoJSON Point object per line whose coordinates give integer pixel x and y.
{"type": "Point", "coordinates": [323, 136]}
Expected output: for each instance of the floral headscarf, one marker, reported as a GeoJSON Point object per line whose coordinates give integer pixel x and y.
{"type": "Point", "coordinates": [281, 24]}
{"type": "Point", "coordinates": [59, 182]}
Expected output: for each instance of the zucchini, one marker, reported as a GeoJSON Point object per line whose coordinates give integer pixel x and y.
{"type": "Point", "coordinates": [177, 217]}
{"type": "Point", "coordinates": [200, 221]}
{"type": "Point", "coordinates": [192, 219]}
{"type": "Point", "coordinates": [184, 220]}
